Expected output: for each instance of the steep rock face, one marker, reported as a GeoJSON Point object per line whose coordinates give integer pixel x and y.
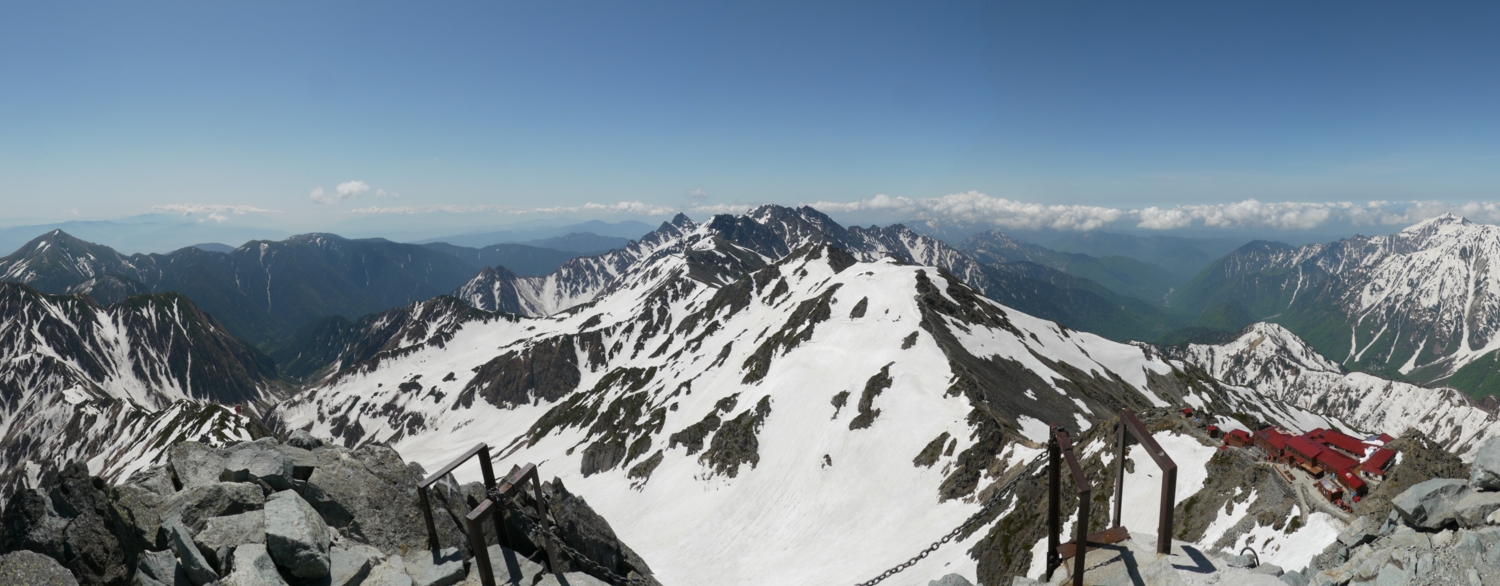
{"type": "Point", "coordinates": [1423, 304]}
{"type": "Point", "coordinates": [80, 381]}
{"type": "Point", "coordinates": [713, 395]}
{"type": "Point", "coordinates": [1278, 364]}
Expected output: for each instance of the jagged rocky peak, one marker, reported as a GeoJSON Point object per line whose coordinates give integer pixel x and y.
{"type": "Point", "coordinates": [299, 511]}
{"type": "Point", "coordinates": [56, 260]}
{"type": "Point", "coordinates": [109, 289]}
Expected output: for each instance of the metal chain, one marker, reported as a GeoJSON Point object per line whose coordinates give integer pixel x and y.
{"type": "Point", "coordinates": [968, 524]}
{"type": "Point", "coordinates": [536, 526]}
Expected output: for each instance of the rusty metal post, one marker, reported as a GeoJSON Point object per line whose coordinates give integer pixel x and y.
{"type": "Point", "coordinates": [1081, 553]}
{"type": "Point", "coordinates": [1054, 488]}
{"type": "Point", "coordinates": [476, 543]}
{"type": "Point", "coordinates": [487, 469]}
{"type": "Point", "coordinates": [1168, 498]}
{"type": "Point", "coordinates": [432, 538]}
{"type": "Point", "coordinates": [1120, 473]}
{"type": "Point", "coordinates": [541, 509]}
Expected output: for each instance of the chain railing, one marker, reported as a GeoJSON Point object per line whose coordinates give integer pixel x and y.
{"type": "Point", "coordinates": [972, 522]}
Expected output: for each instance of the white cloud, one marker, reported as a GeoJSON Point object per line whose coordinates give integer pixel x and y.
{"type": "Point", "coordinates": [697, 194]}
{"type": "Point", "coordinates": [1250, 213]}
{"type": "Point", "coordinates": [218, 218]}
{"type": "Point", "coordinates": [188, 209]}
{"type": "Point", "coordinates": [384, 193]}
{"type": "Point", "coordinates": [341, 192]}
{"type": "Point", "coordinates": [980, 208]}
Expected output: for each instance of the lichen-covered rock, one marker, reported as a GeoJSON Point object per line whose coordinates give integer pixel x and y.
{"type": "Point", "coordinates": [390, 573]}
{"type": "Point", "coordinates": [193, 464]}
{"type": "Point", "coordinates": [1428, 505]}
{"type": "Point", "coordinates": [28, 568]}
{"type": "Point", "coordinates": [349, 566]}
{"type": "Point", "coordinates": [162, 567]}
{"type": "Point", "coordinates": [252, 566]}
{"type": "Point", "coordinates": [268, 465]}
{"type": "Point", "coordinates": [221, 535]}
{"type": "Point", "coordinates": [951, 580]}
{"type": "Point", "coordinates": [71, 524]}
{"type": "Point", "coordinates": [371, 494]}
{"type": "Point", "coordinates": [196, 504]}
{"type": "Point", "coordinates": [296, 536]}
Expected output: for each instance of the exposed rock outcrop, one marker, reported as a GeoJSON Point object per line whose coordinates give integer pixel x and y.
{"type": "Point", "coordinates": [265, 513]}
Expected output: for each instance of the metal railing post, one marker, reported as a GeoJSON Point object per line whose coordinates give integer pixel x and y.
{"type": "Point", "coordinates": [475, 521]}
{"type": "Point", "coordinates": [432, 538]}
{"type": "Point", "coordinates": [1120, 474]}
{"type": "Point", "coordinates": [1054, 487]}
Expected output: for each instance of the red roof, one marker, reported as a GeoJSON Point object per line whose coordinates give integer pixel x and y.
{"type": "Point", "coordinates": [1385, 437]}
{"type": "Point", "coordinates": [1213, 428]}
{"type": "Point", "coordinates": [1304, 446]}
{"type": "Point", "coordinates": [1341, 441]}
{"type": "Point", "coordinates": [1336, 461]}
{"type": "Point", "coordinates": [1273, 437]}
{"type": "Point", "coordinates": [1377, 463]}
{"type": "Point", "coordinates": [1352, 481]}
{"type": "Point", "coordinates": [1240, 433]}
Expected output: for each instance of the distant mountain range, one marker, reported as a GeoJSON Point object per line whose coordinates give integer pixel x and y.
{"type": "Point", "coordinates": [1420, 305]}
{"type": "Point", "coordinates": [591, 236]}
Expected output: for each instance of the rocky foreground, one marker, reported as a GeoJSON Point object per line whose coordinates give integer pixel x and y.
{"type": "Point", "coordinates": [267, 513]}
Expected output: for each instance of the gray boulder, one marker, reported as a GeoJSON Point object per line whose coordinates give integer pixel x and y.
{"type": "Point", "coordinates": [252, 464]}
{"type": "Point", "coordinates": [1484, 473]}
{"type": "Point", "coordinates": [435, 568]}
{"type": "Point", "coordinates": [509, 567]}
{"type": "Point", "coordinates": [1358, 533]}
{"type": "Point", "coordinates": [197, 504]}
{"type": "Point", "coordinates": [199, 572]}
{"type": "Point", "coordinates": [136, 509]}
{"type": "Point", "coordinates": [28, 568]}
{"type": "Point", "coordinates": [1472, 509]}
{"type": "Point", "coordinates": [296, 536]}
{"type": "Point", "coordinates": [390, 573]}
{"type": "Point", "coordinates": [162, 567]}
{"type": "Point", "coordinates": [193, 463]}
{"type": "Point", "coordinates": [370, 494]}
{"type": "Point", "coordinates": [349, 566]}
{"type": "Point", "coordinates": [303, 461]}
{"type": "Point", "coordinates": [221, 535]}
{"type": "Point", "coordinates": [951, 580]}
{"type": "Point", "coordinates": [252, 567]}
{"type": "Point", "coordinates": [156, 479]}
{"type": "Point", "coordinates": [302, 439]}
{"type": "Point", "coordinates": [1428, 505]}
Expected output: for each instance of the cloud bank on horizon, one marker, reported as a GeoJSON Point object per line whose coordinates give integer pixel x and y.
{"type": "Point", "coordinates": [978, 208]}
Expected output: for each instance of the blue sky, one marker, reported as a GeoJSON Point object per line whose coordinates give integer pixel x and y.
{"type": "Point", "coordinates": [117, 109]}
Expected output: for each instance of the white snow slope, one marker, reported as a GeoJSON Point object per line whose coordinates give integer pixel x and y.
{"type": "Point", "coordinates": [760, 430]}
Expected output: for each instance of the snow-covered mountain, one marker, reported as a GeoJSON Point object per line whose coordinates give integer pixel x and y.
{"type": "Point", "coordinates": [1275, 362]}
{"type": "Point", "coordinates": [1423, 303]}
{"type": "Point", "coordinates": [111, 384]}
{"type": "Point", "coordinates": [758, 237]}
{"type": "Point", "coordinates": [748, 392]}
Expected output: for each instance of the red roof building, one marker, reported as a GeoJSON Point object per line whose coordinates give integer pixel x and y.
{"type": "Point", "coordinates": [1303, 448]}
{"type": "Point", "coordinates": [1350, 446]}
{"type": "Point", "coordinates": [1237, 438]}
{"type": "Point", "coordinates": [1338, 462]}
{"type": "Point", "coordinates": [1271, 440]}
{"type": "Point", "coordinates": [1351, 481]}
{"type": "Point", "coordinates": [1376, 465]}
